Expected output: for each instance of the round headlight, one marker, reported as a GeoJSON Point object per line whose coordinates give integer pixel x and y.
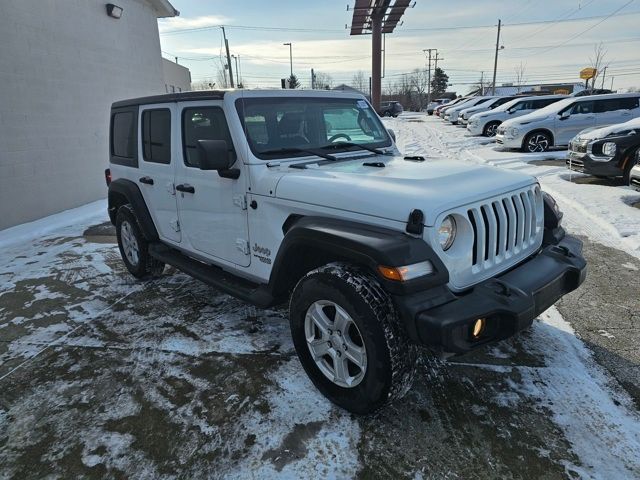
{"type": "Point", "coordinates": [609, 149]}
{"type": "Point", "coordinates": [513, 132]}
{"type": "Point", "coordinates": [447, 232]}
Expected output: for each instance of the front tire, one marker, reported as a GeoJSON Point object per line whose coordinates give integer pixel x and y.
{"type": "Point", "coordinates": [134, 248]}
{"type": "Point", "coordinates": [349, 339]}
{"type": "Point", "coordinates": [626, 175]}
{"type": "Point", "coordinates": [490, 129]}
{"type": "Point", "coordinates": [537, 142]}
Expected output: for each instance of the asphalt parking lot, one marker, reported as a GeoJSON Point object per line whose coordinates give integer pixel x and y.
{"type": "Point", "coordinates": [102, 376]}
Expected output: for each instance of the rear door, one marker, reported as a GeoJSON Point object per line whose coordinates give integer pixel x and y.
{"type": "Point", "coordinates": [212, 209]}
{"type": "Point", "coordinates": [157, 154]}
{"type": "Point", "coordinates": [610, 111]}
{"type": "Point", "coordinates": [581, 116]}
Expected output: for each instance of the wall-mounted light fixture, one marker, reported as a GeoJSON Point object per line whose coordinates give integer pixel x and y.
{"type": "Point", "coordinates": [114, 10]}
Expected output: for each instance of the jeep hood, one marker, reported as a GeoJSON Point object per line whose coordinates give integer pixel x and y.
{"type": "Point", "coordinates": [392, 191]}
{"type": "Point", "coordinates": [611, 130]}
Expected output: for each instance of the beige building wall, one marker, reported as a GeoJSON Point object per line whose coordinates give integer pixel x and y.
{"type": "Point", "coordinates": [63, 62]}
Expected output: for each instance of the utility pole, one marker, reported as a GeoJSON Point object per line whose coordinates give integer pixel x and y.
{"type": "Point", "coordinates": [226, 44]}
{"type": "Point", "coordinates": [612, 83]}
{"type": "Point", "coordinates": [429, 50]}
{"type": "Point", "coordinates": [237, 70]}
{"type": "Point", "coordinates": [313, 80]}
{"type": "Point", "coordinates": [482, 83]}
{"type": "Point", "coordinates": [495, 62]}
{"type": "Point", "coordinates": [604, 74]}
{"type": "Point", "coordinates": [290, 56]}
{"type": "Point", "coordinates": [435, 60]}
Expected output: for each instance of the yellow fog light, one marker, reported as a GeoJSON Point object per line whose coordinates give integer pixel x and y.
{"type": "Point", "coordinates": [478, 328]}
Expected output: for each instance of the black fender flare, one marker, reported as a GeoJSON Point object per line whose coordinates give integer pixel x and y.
{"type": "Point", "coordinates": [363, 244]}
{"type": "Point", "coordinates": [126, 188]}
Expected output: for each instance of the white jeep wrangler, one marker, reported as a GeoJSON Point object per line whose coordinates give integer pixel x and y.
{"type": "Point", "coordinates": [302, 196]}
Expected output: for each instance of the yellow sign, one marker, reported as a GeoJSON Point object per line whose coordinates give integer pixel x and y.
{"type": "Point", "coordinates": [587, 73]}
{"type": "Point", "coordinates": [561, 91]}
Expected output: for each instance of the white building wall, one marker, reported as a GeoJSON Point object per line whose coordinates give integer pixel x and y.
{"type": "Point", "coordinates": [63, 62]}
{"type": "Point", "coordinates": [176, 77]}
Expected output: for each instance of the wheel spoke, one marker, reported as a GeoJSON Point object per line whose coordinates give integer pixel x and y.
{"type": "Point", "coordinates": [319, 348]}
{"type": "Point", "coordinates": [356, 355]}
{"type": "Point", "coordinates": [342, 320]}
{"type": "Point", "coordinates": [341, 372]}
{"type": "Point", "coordinates": [320, 320]}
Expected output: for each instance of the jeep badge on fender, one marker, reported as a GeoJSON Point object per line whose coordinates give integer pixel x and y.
{"type": "Point", "coordinates": [375, 254]}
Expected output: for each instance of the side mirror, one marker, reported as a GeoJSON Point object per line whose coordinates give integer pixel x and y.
{"type": "Point", "coordinates": [392, 134]}
{"type": "Point", "coordinates": [214, 154]}
{"type": "Point", "coordinates": [564, 115]}
{"type": "Point", "coordinates": [510, 111]}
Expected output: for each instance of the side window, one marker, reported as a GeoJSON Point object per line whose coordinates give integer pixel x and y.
{"type": "Point", "coordinates": [123, 143]}
{"type": "Point", "coordinates": [156, 135]}
{"type": "Point", "coordinates": [581, 108]}
{"type": "Point", "coordinates": [525, 105]}
{"type": "Point", "coordinates": [203, 123]}
{"type": "Point", "coordinates": [613, 104]}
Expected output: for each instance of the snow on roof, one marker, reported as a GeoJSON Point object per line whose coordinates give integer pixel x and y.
{"type": "Point", "coordinates": [163, 8]}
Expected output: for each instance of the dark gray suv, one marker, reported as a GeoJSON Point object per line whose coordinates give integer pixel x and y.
{"type": "Point", "coordinates": [390, 109]}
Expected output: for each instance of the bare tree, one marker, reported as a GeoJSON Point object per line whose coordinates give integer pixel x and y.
{"type": "Point", "coordinates": [360, 82]}
{"type": "Point", "coordinates": [598, 61]}
{"type": "Point", "coordinates": [221, 77]}
{"type": "Point", "coordinates": [520, 75]}
{"type": "Point", "coordinates": [419, 81]}
{"type": "Point", "coordinates": [323, 81]}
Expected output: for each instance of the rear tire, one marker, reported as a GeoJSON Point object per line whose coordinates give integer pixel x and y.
{"type": "Point", "coordinates": [537, 142]}
{"type": "Point", "coordinates": [134, 248]}
{"type": "Point", "coordinates": [631, 162]}
{"type": "Point", "coordinates": [341, 294]}
{"type": "Point", "coordinates": [490, 129]}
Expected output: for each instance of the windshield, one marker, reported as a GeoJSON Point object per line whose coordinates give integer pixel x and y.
{"type": "Point", "coordinates": [277, 126]}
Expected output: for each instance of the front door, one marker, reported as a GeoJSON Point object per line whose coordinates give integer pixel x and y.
{"type": "Point", "coordinates": [159, 156]}
{"type": "Point", "coordinates": [581, 116]}
{"type": "Point", "coordinates": [212, 209]}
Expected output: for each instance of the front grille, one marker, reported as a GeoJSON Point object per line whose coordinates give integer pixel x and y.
{"type": "Point", "coordinates": [505, 227]}
{"type": "Point", "coordinates": [635, 182]}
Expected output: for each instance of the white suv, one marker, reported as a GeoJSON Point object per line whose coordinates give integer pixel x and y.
{"type": "Point", "coordinates": [467, 113]}
{"type": "Point", "coordinates": [301, 197]}
{"type": "Point", "coordinates": [558, 123]}
{"type": "Point", "coordinates": [451, 114]}
{"type": "Point", "coordinates": [486, 123]}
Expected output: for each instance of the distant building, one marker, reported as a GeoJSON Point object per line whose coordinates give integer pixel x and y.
{"type": "Point", "coordinates": [557, 88]}
{"type": "Point", "coordinates": [63, 64]}
{"type": "Point", "coordinates": [176, 77]}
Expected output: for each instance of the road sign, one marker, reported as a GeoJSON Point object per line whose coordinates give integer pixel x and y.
{"type": "Point", "coordinates": [587, 73]}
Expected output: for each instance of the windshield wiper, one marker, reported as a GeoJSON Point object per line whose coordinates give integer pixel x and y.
{"type": "Point", "coordinates": [334, 146]}
{"type": "Point", "coordinates": [286, 150]}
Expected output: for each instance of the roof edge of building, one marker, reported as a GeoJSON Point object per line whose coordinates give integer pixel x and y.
{"type": "Point", "coordinates": [164, 8]}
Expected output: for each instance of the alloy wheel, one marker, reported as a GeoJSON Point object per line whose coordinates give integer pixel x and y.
{"type": "Point", "coordinates": [129, 243]}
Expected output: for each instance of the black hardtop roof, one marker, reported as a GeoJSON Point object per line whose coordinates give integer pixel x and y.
{"type": "Point", "coordinates": [171, 97]}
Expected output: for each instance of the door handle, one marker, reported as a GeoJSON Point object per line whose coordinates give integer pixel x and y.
{"type": "Point", "coordinates": [185, 188]}
{"type": "Point", "coordinates": [146, 180]}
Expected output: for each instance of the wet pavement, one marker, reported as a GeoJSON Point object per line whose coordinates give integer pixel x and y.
{"type": "Point", "coordinates": [102, 376]}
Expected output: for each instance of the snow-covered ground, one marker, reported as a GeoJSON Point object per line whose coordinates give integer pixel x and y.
{"type": "Point", "coordinates": [603, 213]}
{"type": "Point", "coordinates": [103, 375]}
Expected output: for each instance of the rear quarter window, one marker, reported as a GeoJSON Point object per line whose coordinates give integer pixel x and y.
{"type": "Point", "coordinates": [123, 142]}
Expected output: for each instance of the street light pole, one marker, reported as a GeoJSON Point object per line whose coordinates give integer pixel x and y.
{"type": "Point", "coordinates": [290, 56]}
{"type": "Point", "coordinates": [237, 69]}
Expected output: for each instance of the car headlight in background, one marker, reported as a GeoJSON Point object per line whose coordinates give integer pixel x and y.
{"type": "Point", "coordinates": [609, 149]}
{"type": "Point", "coordinates": [447, 232]}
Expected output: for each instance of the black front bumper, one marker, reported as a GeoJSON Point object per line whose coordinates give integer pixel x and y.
{"type": "Point", "coordinates": [508, 303]}
{"type": "Point", "coordinates": [583, 163]}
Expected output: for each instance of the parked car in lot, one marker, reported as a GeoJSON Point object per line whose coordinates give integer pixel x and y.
{"type": "Point", "coordinates": [607, 151]}
{"type": "Point", "coordinates": [466, 113]}
{"type": "Point", "coordinates": [634, 175]}
{"type": "Point", "coordinates": [391, 109]}
{"type": "Point", "coordinates": [451, 114]}
{"type": "Point", "coordinates": [557, 124]}
{"type": "Point", "coordinates": [301, 198]}
{"type": "Point", "coordinates": [486, 123]}
{"type": "Point", "coordinates": [439, 111]}
{"type": "Point", "coordinates": [436, 103]}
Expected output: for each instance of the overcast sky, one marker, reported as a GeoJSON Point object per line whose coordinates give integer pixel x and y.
{"type": "Point", "coordinates": [554, 44]}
